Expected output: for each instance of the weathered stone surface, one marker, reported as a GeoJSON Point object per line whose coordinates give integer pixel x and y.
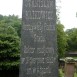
{"type": "Point", "coordinates": [39, 49]}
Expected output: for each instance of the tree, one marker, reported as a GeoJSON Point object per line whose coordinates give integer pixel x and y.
{"type": "Point", "coordinates": [72, 39]}
{"type": "Point", "coordinates": [9, 47]}
{"type": "Point", "coordinates": [15, 22]}
{"type": "Point", "coordinates": [61, 35]}
{"type": "Point", "coordinates": [9, 51]}
{"type": "Point", "coordinates": [61, 40]}
{"type": "Point", "coordinates": [12, 21]}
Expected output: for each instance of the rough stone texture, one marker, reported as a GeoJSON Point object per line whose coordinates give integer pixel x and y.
{"type": "Point", "coordinates": [69, 69]}
{"type": "Point", "coordinates": [39, 49]}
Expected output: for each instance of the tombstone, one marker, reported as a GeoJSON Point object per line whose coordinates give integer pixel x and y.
{"type": "Point", "coordinates": [38, 39]}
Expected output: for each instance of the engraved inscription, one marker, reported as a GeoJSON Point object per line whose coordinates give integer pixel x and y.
{"type": "Point", "coordinates": [38, 14]}
{"type": "Point", "coordinates": [39, 3]}
{"type": "Point", "coordinates": [39, 39]}
{"type": "Point", "coordinates": [38, 58]}
{"type": "Point", "coordinates": [45, 60]}
{"type": "Point", "coordinates": [38, 26]}
{"type": "Point", "coordinates": [28, 50]}
{"type": "Point", "coordinates": [49, 50]}
{"type": "Point", "coordinates": [22, 60]}
{"type": "Point", "coordinates": [38, 70]}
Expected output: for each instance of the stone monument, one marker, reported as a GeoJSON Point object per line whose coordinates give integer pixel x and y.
{"type": "Point", "coordinates": [38, 39]}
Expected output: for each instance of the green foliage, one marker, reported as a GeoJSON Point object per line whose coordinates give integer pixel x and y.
{"type": "Point", "coordinates": [61, 40]}
{"type": "Point", "coordinates": [61, 74]}
{"type": "Point", "coordinates": [9, 51]}
{"type": "Point", "coordinates": [12, 21]}
{"type": "Point", "coordinates": [9, 45]}
{"type": "Point", "coordinates": [61, 35]}
{"type": "Point", "coordinates": [72, 39]}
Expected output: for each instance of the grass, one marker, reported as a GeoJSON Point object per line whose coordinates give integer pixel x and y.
{"type": "Point", "coordinates": [61, 73]}
{"type": "Point", "coordinates": [75, 75]}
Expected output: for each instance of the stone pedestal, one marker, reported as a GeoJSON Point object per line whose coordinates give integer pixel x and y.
{"type": "Point", "coordinates": [69, 69]}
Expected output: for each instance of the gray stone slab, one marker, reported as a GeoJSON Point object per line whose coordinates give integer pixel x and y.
{"type": "Point", "coordinates": [38, 39]}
